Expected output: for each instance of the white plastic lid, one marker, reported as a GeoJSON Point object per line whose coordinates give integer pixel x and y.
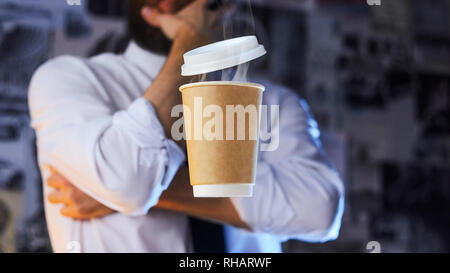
{"type": "Point", "coordinates": [221, 55]}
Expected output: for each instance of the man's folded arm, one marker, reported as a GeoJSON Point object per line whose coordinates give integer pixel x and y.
{"type": "Point", "coordinates": [122, 159]}
{"type": "Point", "coordinates": [297, 194]}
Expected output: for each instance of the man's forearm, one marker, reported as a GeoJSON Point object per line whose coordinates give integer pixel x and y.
{"type": "Point", "coordinates": [179, 197]}
{"type": "Point", "coordinates": [163, 92]}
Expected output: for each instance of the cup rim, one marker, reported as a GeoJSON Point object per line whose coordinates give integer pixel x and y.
{"type": "Point", "coordinates": [239, 83]}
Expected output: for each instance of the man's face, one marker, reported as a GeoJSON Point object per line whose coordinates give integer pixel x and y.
{"type": "Point", "coordinates": [167, 6]}
{"type": "Point", "coordinates": [146, 36]}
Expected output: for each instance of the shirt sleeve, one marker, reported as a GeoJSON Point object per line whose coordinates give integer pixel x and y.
{"type": "Point", "coordinates": [121, 158]}
{"type": "Point", "coordinates": [297, 195]}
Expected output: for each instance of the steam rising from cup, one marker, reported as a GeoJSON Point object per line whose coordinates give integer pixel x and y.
{"type": "Point", "coordinates": [236, 22]}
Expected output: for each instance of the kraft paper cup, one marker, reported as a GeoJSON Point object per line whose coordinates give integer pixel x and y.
{"type": "Point", "coordinates": [221, 167]}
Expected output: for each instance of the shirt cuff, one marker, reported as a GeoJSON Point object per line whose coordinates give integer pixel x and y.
{"type": "Point", "coordinates": [140, 122]}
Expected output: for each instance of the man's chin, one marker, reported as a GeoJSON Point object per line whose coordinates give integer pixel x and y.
{"type": "Point", "coordinates": [155, 43]}
{"type": "Point", "coordinates": [151, 39]}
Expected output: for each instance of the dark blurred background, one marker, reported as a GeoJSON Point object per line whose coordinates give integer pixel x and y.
{"type": "Point", "coordinates": [377, 78]}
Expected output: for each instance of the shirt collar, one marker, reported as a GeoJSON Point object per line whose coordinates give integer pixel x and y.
{"type": "Point", "coordinates": [148, 61]}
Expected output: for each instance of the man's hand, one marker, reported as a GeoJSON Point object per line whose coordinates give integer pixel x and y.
{"type": "Point", "coordinates": [76, 204]}
{"type": "Point", "coordinates": [193, 20]}
{"type": "Point", "coordinates": [178, 197]}
{"type": "Point", "coordinates": [189, 28]}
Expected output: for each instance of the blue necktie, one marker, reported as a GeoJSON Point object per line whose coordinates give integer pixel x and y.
{"type": "Point", "coordinates": [207, 237]}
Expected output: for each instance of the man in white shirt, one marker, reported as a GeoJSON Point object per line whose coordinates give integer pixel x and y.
{"type": "Point", "coordinates": [103, 124]}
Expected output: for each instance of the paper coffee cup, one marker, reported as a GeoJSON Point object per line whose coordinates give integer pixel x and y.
{"type": "Point", "coordinates": [222, 146]}
{"type": "Point", "coordinates": [221, 122]}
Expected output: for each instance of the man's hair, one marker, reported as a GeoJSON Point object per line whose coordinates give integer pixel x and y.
{"type": "Point", "coordinates": [146, 36]}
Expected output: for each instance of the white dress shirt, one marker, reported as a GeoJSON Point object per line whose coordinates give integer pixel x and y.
{"type": "Point", "coordinates": [94, 127]}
